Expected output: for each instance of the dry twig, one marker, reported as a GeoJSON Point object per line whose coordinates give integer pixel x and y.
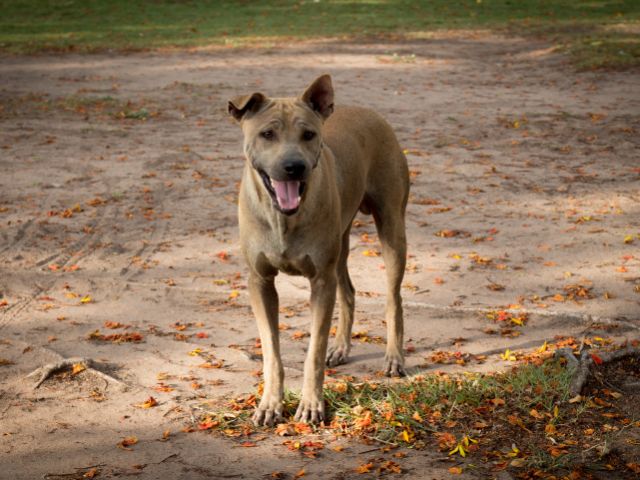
{"type": "Point", "coordinates": [49, 369]}
{"type": "Point", "coordinates": [582, 365]}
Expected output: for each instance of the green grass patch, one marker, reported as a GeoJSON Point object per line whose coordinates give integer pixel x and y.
{"type": "Point", "coordinates": [31, 26]}
{"type": "Point", "coordinates": [522, 421]}
{"type": "Point", "coordinates": [607, 51]}
{"type": "Point", "coordinates": [102, 106]}
{"type": "Point", "coordinates": [410, 412]}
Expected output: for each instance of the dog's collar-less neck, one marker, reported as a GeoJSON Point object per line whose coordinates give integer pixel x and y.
{"type": "Point", "coordinates": [317, 159]}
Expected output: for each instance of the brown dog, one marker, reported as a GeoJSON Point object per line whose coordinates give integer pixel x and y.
{"type": "Point", "coordinates": [309, 170]}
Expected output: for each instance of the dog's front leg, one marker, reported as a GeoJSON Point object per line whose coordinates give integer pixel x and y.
{"type": "Point", "coordinates": [323, 299]}
{"type": "Point", "coordinates": [264, 302]}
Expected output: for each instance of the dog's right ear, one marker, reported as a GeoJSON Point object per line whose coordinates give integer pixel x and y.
{"type": "Point", "coordinates": [240, 106]}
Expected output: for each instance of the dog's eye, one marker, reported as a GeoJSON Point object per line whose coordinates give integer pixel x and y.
{"type": "Point", "coordinates": [308, 135]}
{"type": "Point", "coordinates": [267, 134]}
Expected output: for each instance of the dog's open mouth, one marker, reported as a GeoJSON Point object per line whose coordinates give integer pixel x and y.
{"type": "Point", "coordinates": [285, 194]}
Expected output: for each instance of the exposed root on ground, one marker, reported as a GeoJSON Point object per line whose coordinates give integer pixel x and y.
{"type": "Point", "coordinates": [582, 365]}
{"type": "Point", "coordinates": [49, 369]}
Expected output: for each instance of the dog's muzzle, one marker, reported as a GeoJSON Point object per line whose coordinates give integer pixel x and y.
{"type": "Point", "coordinates": [286, 194]}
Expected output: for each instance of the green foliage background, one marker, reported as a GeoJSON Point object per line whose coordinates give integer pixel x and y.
{"type": "Point", "coordinates": [600, 29]}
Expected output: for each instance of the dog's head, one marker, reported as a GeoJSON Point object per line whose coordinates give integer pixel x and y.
{"type": "Point", "coordinates": [283, 139]}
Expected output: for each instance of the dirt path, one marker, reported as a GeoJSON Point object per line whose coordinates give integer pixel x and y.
{"type": "Point", "coordinates": [117, 204]}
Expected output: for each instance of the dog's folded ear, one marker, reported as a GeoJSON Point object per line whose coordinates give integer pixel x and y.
{"type": "Point", "coordinates": [319, 96]}
{"type": "Point", "coordinates": [240, 106]}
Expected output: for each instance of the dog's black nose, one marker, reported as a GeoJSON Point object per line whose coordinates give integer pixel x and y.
{"type": "Point", "coordinates": [294, 170]}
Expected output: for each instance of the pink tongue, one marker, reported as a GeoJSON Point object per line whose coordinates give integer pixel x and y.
{"type": "Point", "coordinates": [287, 194]}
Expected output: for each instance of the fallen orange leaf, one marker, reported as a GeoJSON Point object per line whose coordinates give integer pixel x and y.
{"type": "Point", "coordinates": [535, 414]}
{"type": "Point", "coordinates": [365, 468]}
{"type": "Point", "coordinates": [92, 473]}
{"type": "Point", "coordinates": [77, 368]}
{"type": "Point", "coordinates": [206, 425]}
{"type": "Point", "coordinates": [126, 442]}
{"type": "Point", "coordinates": [148, 403]}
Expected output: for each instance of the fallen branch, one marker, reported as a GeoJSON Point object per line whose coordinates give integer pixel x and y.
{"type": "Point", "coordinates": [49, 369]}
{"type": "Point", "coordinates": [78, 474]}
{"type": "Point", "coordinates": [581, 365]}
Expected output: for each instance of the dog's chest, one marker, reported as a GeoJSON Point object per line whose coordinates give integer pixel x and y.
{"type": "Point", "coordinates": [292, 262]}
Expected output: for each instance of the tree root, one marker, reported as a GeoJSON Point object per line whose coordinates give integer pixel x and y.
{"type": "Point", "coordinates": [582, 364]}
{"type": "Point", "coordinates": [49, 369]}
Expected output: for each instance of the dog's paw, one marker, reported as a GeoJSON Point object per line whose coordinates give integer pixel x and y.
{"type": "Point", "coordinates": [310, 411]}
{"type": "Point", "coordinates": [394, 366]}
{"type": "Point", "coordinates": [268, 414]}
{"type": "Point", "coordinates": [337, 355]}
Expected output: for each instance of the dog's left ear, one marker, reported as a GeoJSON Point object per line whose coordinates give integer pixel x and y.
{"type": "Point", "coordinates": [319, 96]}
{"type": "Point", "coordinates": [240, 106]}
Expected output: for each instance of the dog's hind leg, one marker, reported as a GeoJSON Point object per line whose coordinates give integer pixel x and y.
{"type": "Point", "coordinates": [264, 302]}
{"type": "Point", "coordinates": [391, 231]}
{"type": "Point", "coordinates": [339, 352]}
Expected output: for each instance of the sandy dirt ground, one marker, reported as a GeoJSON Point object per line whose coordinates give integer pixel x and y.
{"type": "Point", "coordinates": [118, 185]}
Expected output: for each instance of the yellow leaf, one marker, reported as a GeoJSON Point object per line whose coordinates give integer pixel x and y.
{"type": "Point", "coordinates": [556, 411]}
{"type": "Point", "coordinates": [195, 352]}
{"type": "Point", "coordinates": [234, 294]}
{"type": "Point", "coordinates": [86, 299]}
{"type": "Point", "coordinates": [628, 239]}
{"type": "Point", "coordinates": [459, 449]}
{"type": "Point", "coordinates": [543, 347]}
{"type": "Point", "coordinates": [508, 355]}
{"type": "Point", "coordinates": [514, 451]}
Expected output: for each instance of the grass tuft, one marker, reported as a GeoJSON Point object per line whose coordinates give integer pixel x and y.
{"type": "Point", "coordinates": [411, 411]}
